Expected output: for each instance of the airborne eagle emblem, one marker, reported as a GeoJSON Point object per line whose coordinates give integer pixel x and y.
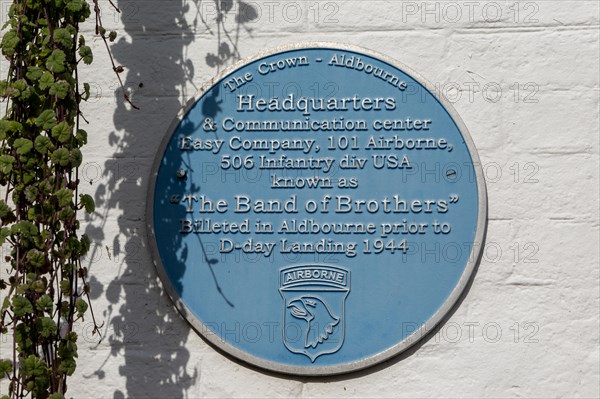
{"type": "Point", "coordinates": [314, 300]}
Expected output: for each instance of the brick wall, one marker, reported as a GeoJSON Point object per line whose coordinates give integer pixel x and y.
{"type": "Point", "coordinates": [524, 77]}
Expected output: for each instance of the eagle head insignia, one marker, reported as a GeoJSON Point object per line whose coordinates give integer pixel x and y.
{"type": "Point", "coordinates": [318, 316]}
{"type": "Point", "coordinates": [314, 298]}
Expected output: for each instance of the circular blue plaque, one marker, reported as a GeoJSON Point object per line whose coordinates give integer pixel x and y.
{"type": "Point", "coordinates": [316, 209]}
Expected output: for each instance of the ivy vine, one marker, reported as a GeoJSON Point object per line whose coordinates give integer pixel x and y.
{"type": "Point", "coordinates": [46, 291]}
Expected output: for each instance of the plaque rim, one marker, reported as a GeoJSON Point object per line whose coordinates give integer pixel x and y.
{"type": "Point", "coordinates": [399, 347]}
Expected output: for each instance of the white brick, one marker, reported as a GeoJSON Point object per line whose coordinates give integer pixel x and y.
{"type": "Point", "coordinates": [552, 224]}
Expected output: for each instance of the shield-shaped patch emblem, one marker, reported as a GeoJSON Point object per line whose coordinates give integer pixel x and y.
{"type": "Point", "coordinates": [314, 299]}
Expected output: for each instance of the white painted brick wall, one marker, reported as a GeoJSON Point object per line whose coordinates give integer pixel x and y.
{"type": "Point", "coordinates": [538, 283]}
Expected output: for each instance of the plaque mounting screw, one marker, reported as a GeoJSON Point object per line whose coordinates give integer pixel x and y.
{"type": "Point", "coordinates": [182, 174]}
{"type": "Point", "coordinates": [451, 174]}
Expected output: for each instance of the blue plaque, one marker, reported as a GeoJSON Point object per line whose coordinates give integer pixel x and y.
{"type": "Point", "coordinates": [316, 209]}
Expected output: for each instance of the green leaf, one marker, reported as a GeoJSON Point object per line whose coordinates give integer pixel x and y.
{"type": "Point", "coordinates": [21, 306]}
{"type": "Point", "coordinates": [73, 245]}
{"type": "Point", "coordinates": [34, 73]}
{"type": "Point", "coordinates": [81, 307]}
{"type": "Point", "coordinates": [66, 214]}
{"type": "Point", "coordinates": [31, 277]}
{"type": "Point", "coordinates": [85, 244]}
{"type": "Point", "coordinates": [18, 87]}
{"type": "Point", "coordinates": [6, 163]}
{"type": "Point", "coordinates": [86, 54]}
{"type": "Point", "coordinates": [65, 286]}
{"type": "Point", "coordinates": [72, 343]}
{"type": "Point", "coordinates": [37, 375]}
{"type": "Point", "coordinates": [4, 128]}
{"type": "Point", "coordinates": [9, 43]}
{"type": "Point", "coordinates": [23, 288]}
{"type": "Point", "coordinates": [42, 144]}
{"type": "Point", "coordinates": [32, 214]}
{"type": "Point", "coordinates": [60, 157]}
{"type": "Point", "coordinates": [5, 367]}
{"type": "Point", "coordinates": [25, 228]}
{"type": "Point", "coordinates": [68, 366]}
{"type": "Point", "coordinates": [31, 193]}
{"type": "Point", "coordinates": [23, 337]}
{"type": "Point", "coordinates": [63, 38]}
{"type": "Point", "coordinates": [88, 202]}
{"type": "Point", "coordinates": [5, 209]}
{"type": "Point", "coordinates": [81, 137]}
{"type": "Point", "coordinates": [4, 234]}
{"type": "Point", "coordinates": [33, 366]}
{"type": "Point", "coordinates": [36, 258]}
{"type": "Point", "coordinates": [60, 89]}
{"type": "Point", "coordinates": [23, 146]}
{"type": "Point", "coordinates": [45, 304]}
{"type": "Point", "coordinates": [56, 395]}
{"type": "Point", "coordinates": [29, 176]}
{"type": "Point", "coordinates": [76, 157]}
{"type": "Point", "coordinates": [56, 61]}
{"type": "Point", "coordinates": [46, 186]}
{"type": "Point", "coordinates": [71, 29]}
{"type": "Point", "coordinates": [85, 12]}
{"type": "Point", "coordinates": [46, 326]}
{"type": "Point", "coordinates": [39, 286]}
{"type": "Point", "coordinates": [8, 126]}
{"type": "Point", "coordinates": [62, 132]}
{"type": "Point", "coordinates": [46, 120]}
{"type": "Point", "coordinates": [75, 5]}
{"type": "Point", "coordinates": [46, 80]}
{"type": "Point", "coordinates": [64, 196]}
{"type": "Point", "coordinates": [86, 92]}
{"type": "Point", "coordinates": [112, 36]}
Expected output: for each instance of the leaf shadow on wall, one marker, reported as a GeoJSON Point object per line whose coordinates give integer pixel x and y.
{"type": "Point", "coordinates": [143, 329]}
